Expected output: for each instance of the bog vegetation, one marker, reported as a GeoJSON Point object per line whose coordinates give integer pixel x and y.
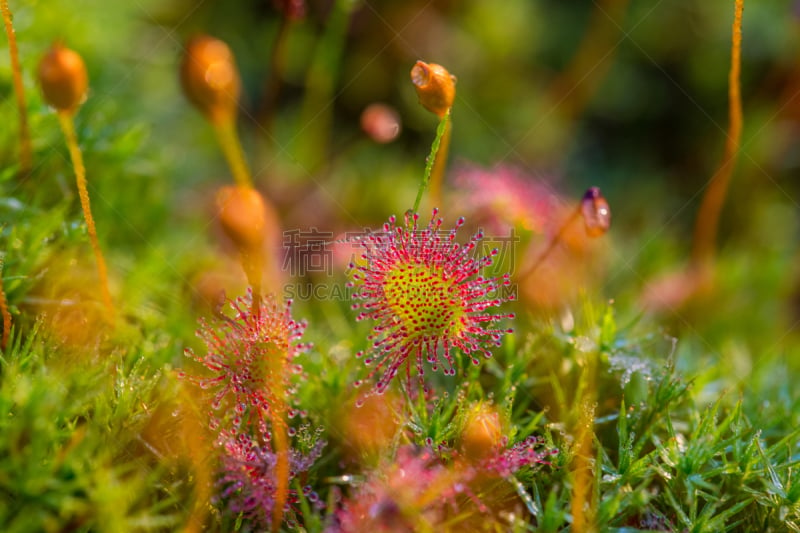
{"type": "Point", "coordinates": [399, 266]}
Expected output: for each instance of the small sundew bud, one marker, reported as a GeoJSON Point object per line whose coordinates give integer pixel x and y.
{"type": "Point", "coordinates": [596, 212]}
{"type": "Point", "coordinates": [381, 122]}
{"type": "Point", "coordinates": [483, 433]}
{"type": "Point", "coordinates": [436, 87]}
{"type": "Point", "coordinates": [62, 75]}
{"type": "Point", "coordinates": [242, 213]}
{"type": "Point", "coordinates": [210, 79]}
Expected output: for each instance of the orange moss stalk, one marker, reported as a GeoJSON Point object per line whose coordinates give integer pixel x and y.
{"type": "Point", "coordinates": [705, 233]}
{"type": "Point", "coordinates": [436, 90]}
{"type": "Point", "coordinates": [440, 162]}
{"type": "Point", "coordinates": [583, 504]}
{"type": "Point", "coordinates": [25, 157]}
{"type": "Point", "coordinates": [64, 82]}
{"type": "Point", "coordinates": [582, 469]}
{"type": "Point", "coordinates": [592, 61]}
{"type": "Point", "coordinates": [280, 439]}
{"type": "Point", "coordinates": [211, 82]}
{"type": "Point", "coordinates": [4, 311]}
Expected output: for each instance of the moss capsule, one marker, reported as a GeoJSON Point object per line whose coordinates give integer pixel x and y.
{"type": "Point", "coordinates": [436, 87]}
{"type": "Point", "coordinates": [63, 78]}
{"type": "Point", "coordinates": [210, 78]}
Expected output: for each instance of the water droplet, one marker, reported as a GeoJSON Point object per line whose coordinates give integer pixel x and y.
{"type": "Point", "coordinates": [596, 212]}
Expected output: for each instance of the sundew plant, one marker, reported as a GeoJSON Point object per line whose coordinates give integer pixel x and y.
{"type": "Point", "coordinates": [373, 266]}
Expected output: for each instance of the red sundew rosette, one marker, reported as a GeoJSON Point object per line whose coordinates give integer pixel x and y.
{"type": "Point", "coordinates": [427, 296]}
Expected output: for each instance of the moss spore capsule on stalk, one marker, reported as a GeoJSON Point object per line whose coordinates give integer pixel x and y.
{"type": "Point", "coordinates": [242, 213]}
{"type": "Point", "coordinates": [64, 81]}
{"type": "Point", "coordinates": [436, 87]}
{"type": "Point", "coordinates": [63, 78]}
{"type": "Point", "coordinates": [211, 82]}
{"type": "Point", "coordinates": [210, 78]}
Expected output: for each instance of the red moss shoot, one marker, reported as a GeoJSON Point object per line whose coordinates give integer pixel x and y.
{"type": "Point", "coordinates": [427, 295]}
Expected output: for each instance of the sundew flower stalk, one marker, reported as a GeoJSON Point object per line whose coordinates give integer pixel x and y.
{"type": "Point", "coordinates": [250, 357]}
{"type": "Point", "coordinates": [428, 296]}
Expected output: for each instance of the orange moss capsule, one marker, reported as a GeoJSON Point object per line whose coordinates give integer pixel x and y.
{"type": "Point", "coordinates": [436, 87]}
{"type": "Point", "coordinates": [596, 212]}
{"type": "Point", "coordinates": [482, 434]}
{"type": "Point", "coordinates": [242, 212]}
{"type": "Point", "coordinates": [210, 78]}
{"type": "Point", "coordinates": [62, 75]}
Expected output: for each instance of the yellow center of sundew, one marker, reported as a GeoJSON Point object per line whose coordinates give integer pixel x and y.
{"type": "Point", "coordinates": [425, 303]}
{"type": "Point", "coordinates": [267, 366]}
